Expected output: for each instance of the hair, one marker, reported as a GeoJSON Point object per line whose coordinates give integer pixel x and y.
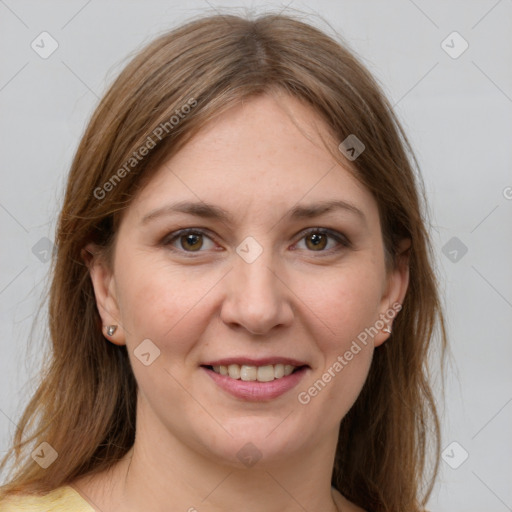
{"type": "Point", "coordinates": [388, 450]}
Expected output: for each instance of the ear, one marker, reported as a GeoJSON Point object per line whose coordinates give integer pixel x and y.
{"type": "Point", "coordinates": [395, 290]}
{"type": "Point", "coordinates": [103, 283]}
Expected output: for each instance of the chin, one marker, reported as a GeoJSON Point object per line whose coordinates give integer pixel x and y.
{"type": "Point", "coordinates": [259, 442]}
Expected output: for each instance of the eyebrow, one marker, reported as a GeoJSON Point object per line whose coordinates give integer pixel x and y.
{"type": "Point", "coordinates": [210, 211]}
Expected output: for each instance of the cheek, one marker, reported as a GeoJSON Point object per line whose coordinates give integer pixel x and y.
{"type": "Point", "coordinates": [346, 308]}
{"type": "Point", "coordinates": [347, 303]}
{"type": "Point", "coordinates": [163, 304]}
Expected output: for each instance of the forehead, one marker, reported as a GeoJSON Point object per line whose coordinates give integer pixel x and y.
{"type": "Point", "coordinates": [262, 155]}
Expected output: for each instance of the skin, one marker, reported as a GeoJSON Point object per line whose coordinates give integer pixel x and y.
{"type": "Point", "coordinates": [295, 300]}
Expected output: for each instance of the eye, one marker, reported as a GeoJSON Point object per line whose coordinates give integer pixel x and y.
{"type": "Point", "coordinates": [189, 240]}
{"type": "Point", "coordinates": [317, 240]}
{"type": "Point", "coordinates": [195, 240]}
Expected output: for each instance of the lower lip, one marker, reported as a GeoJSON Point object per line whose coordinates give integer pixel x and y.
{"type": "Point", "coordinates": [256, 391]}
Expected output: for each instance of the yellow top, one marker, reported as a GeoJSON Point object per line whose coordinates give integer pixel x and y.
{"type": "Point", "coordinates": [63, 499]}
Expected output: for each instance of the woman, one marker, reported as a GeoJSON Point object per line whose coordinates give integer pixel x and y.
{"type": "Point", "coordinates": [243, 299]}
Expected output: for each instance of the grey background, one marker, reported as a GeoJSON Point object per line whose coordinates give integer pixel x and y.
{"type": "Point", "coordinates": [456, 111]}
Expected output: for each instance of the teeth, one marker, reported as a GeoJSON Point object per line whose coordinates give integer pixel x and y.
{"type": "Point", "coordinates": [233, 371]}
{"type": "Point", "coordinates": [265, 373]}
{"type": "Point", "coordinates": [248, 372]}
{"type": "Point", "coordinates": [288, 369]}
{"type": "Point", "coordinates": [278, 371]}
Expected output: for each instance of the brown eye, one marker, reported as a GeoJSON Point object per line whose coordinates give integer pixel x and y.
{"type": "Point", "coordinates": [316, 241]}
{"type": "Point", "coordinates": [323, 241]}
{"type": "Point", "coordinates": [191, 241]}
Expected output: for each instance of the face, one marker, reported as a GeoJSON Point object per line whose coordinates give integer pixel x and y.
{"type": "Point", "coordinates": [229, 258]}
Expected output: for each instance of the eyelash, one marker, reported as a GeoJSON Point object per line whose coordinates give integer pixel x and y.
{"type": "Point", "coordinates": [339, 237]}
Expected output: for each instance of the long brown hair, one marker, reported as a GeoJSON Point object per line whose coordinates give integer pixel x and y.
{"type": "Point", "coordinates": [85, 403]}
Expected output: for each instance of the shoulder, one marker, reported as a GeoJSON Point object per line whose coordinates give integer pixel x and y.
{"type": "Point", "coordinates": [62, 499]}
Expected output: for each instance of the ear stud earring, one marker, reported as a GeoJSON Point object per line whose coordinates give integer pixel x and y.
{"type": "Point", "coordinates": [387, 329]}
{"type": "Point", "coordinates": [111, 329]}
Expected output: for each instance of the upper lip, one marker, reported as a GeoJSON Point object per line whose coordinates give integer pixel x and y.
{"type": "Point", "coordinates": [249, 361]}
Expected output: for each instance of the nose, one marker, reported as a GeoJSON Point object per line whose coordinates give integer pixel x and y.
{"type": "Point", "coordinates": [257, 297]}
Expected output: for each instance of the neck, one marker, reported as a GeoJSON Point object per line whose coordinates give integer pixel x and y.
{"type": "Point", "coordinates": [162, 471]}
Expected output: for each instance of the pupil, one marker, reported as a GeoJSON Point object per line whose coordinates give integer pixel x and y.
{"type": "Point", "coordinates": [318, 240]}
{"type": "Point", "coordinates": [192, 240]}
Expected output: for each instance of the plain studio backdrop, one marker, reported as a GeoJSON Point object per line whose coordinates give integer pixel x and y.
{"type": "Point", "coordinates": [445, 67]}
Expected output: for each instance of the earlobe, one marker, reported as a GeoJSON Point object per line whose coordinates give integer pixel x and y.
{"type": "Point", "coordinates": [103, 283]}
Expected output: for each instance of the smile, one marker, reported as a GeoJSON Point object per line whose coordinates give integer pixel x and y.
{"type": "Point", "coordinates": [265, 373]}
{"type": "Point", "coordinates": [256, 380]}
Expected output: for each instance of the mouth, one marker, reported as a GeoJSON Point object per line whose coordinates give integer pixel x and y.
{"type": "Point", "coordinates": [251, 373]}
{"type": "Point", "coordinates": [256, 380]}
